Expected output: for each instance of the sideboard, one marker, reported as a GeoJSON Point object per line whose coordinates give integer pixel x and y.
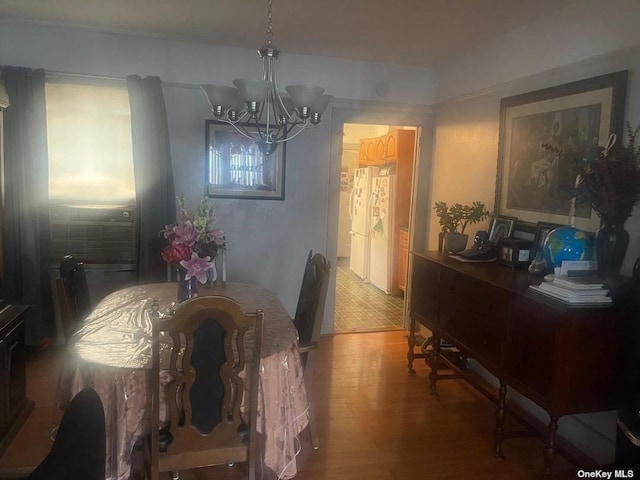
{"type": "Point", "coordinates": [15, 407]}
{"type": "Point", "coordinates": [563, 358]}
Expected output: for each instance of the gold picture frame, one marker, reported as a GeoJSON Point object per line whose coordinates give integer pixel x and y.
{"type": "Point", "coordinates": [535, 184]}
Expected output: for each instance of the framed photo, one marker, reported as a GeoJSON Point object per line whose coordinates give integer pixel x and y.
{"type": "Point", "coordinates": [533, 183]}
{"type": "Point", "coordinates": [542, 230]}
{"type": "Point", "coordinates": [501, 227]}
{"type": "Point", "coordinates": [235, 167]}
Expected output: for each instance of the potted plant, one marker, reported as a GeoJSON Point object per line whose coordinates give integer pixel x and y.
{"type": "Point", "coordinates": [453, 221]}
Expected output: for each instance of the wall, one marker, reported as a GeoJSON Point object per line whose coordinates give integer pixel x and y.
{"type": "Point", "coordinates": [586, 39]}
{"type": "Point", "coordinates": [269, 240]}
{"type": "Point", "coordinates": [466, 129]}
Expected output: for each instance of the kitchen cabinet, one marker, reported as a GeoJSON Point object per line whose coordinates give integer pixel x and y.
{"type": "Point", "coordinates": [367, 152]}
{"type": "Point", "coordinates": [398, 145]}
{"type": "Point", "coordinates": [390, 148]}
{"type": "Point", "coordinates": [15, 407]}
{"type": "Point", "coordinates": [403, 259]}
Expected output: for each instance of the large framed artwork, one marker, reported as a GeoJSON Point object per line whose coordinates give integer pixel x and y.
{"type": "Point", "coordinates": [235, 167]}
{"type": "Point", "coordinates": [533, 183]}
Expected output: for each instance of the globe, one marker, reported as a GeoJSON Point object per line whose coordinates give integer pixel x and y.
{"type": "Point", "coordinates": [567, 243]}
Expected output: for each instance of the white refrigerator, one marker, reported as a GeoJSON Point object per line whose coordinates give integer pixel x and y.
{"type": "Point", "coordinates": [358, 211]}
{"type": "Point", "coordinates": [381, 235]}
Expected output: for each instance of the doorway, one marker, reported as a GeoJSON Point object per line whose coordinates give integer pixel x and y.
{"type": "Point", "coordinates": [373, 221]}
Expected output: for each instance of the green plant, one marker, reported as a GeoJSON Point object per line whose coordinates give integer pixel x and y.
{"type": "Point", "coordinates": [454, 219]}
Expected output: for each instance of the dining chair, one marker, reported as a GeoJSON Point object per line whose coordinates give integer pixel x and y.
{"type": "Point", "coordinates": [205, 342]}
{"type": "Point", "coordinates": [72, 292]}
{"type": "Point", "coordinates": [308, 320]}
{"type": "Point", "coordinates": [79, 449]}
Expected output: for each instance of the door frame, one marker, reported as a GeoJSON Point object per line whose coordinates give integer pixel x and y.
{"type": "Point", "coordinates": [377, 114]}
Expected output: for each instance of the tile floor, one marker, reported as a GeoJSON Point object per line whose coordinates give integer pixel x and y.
{"type": "Point", "coordinates": [361, 307]}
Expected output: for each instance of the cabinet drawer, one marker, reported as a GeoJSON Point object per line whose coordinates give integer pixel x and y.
{"type": "Point", "coordinates": [474, 314]}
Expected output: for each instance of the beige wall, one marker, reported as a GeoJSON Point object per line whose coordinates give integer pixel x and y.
{"type": "Point", "coordinates": [465, 149]}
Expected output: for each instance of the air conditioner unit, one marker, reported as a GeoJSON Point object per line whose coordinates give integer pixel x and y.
{"type": "Point", "coordinates": [94, 234]}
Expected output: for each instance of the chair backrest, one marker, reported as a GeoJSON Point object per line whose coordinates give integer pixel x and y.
{"type": "Point", "coordinates": [79, 449]}
{"type": "Point", "coordinates": [208, 338]}
{"type": "Point", "coordinates": [72, 291]}
{"type": "Point", "coordinates": [313, 294]}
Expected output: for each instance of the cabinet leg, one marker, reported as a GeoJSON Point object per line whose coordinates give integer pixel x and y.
{"type": "Point", "coordinates": [412, 344]}
{"type": "Point", "coordinates": [500, 417]}
{"type": "Point", "coordinates": [435, 355]}
{"type": "Point", "coordinates": [549, 449]}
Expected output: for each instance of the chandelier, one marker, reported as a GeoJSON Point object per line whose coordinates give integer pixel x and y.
{"type": "Point", "coordinates": [258, 111]}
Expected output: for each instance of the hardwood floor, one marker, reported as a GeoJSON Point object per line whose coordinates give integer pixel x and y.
{"type": "Point", "coordinates": [375, 421]}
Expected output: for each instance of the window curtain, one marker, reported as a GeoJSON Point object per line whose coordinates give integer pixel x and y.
{"type": "Point", "coordinates": [155, 194]}
{"type": "Point", "coordinates": [25, 227]}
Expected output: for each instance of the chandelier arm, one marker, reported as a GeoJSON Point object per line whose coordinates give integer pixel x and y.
{"type": "Point", "coordinates": [242, 130]}
{"type": "Point", "coordinates": [302, 126]}
{"type": "Point", "coordinates": [277, 95]}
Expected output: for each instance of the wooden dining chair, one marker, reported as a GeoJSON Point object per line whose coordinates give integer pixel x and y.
{"type": "Point", "coordinates": [72, 291]}
{"type": "Point", "coordinates": [79, 448]}
{"type": "Point", "coordinates": [308, 320]}
{"type": "Point", "coordinates": [208, 370]}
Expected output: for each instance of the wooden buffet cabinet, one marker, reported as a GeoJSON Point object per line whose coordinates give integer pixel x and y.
{"type": "Point", "coordinates": [15, 407]}
{"type": "Point", "coordinates": [562, 358]}
{"type": "Point", "coordinates": [395, 148]}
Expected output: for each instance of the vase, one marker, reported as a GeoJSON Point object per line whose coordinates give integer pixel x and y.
{"type": "Point", "coordinates": [186, 288]}
{"type": "Point", "coordinates": [455, 242]}
{"type": "Point", "coordinates": [612, 241]}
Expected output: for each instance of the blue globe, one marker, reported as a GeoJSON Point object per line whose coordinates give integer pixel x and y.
{"type": "Point", "coordinates": [567, 243]}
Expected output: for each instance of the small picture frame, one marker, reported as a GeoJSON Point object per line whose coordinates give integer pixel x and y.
{"type": "Point", "coordinates": [501, 227]}
{"type": "Point", "coordinates": [542, 230]}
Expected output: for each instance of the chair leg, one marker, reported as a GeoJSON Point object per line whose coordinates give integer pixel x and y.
{"type": "Point", "coordinates": [308, 373]}
{"type": "Point", "coordinates": [313, 428]}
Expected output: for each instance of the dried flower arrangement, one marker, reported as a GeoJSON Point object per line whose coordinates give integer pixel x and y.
{"type": "Point", "coordinates": [609, 177]}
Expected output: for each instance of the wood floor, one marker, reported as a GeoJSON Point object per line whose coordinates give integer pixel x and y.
{"type": "Point", "coordinates": [375, 421]}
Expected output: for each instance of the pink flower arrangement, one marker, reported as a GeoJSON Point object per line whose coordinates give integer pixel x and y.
{"type": "Point", "coordinates": [192, 243]}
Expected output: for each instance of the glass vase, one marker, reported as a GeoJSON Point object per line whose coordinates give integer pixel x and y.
{"type": "Point", "coordinates": [186, 288]}
{"type": "Point", "coordinates": [612, 241]}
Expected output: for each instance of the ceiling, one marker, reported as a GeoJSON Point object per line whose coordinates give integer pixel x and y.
{"type": "Point", "coordinates": [407, 32]}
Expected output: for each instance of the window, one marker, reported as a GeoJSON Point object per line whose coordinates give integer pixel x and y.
{"type": "Point", "coordinates": [91, 183]}
{"type": "Point", "coordinates": [89, 141]}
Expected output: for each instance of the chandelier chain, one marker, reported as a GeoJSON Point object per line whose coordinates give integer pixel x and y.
{"type": "Point", "coordinates": [269, 34]}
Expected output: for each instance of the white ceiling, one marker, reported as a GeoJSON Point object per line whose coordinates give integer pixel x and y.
{"type": "Point", "coordinates": [407, 32]}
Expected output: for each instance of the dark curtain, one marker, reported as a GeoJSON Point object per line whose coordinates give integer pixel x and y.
{"type": "Point", "coordinates": [27, 241]}
{"type": "Point", "coordinates": [155, 195]}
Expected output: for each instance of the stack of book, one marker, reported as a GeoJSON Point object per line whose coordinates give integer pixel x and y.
{"type": "Point", "coordinates": [582, 290]}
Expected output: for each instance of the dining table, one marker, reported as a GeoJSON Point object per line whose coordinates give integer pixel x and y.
{"type": "Point", "coordinates": [111, 353]}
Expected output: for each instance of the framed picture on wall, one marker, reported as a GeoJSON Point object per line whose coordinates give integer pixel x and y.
{"type": "Point", "coordinates": [236, 168]}
{"type": "Point", "coordinates": [535, 184]}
